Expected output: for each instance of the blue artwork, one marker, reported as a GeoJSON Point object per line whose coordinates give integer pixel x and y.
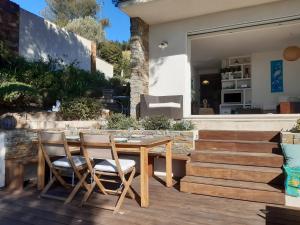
{"type": "Point", "coordinates": [276, 76]}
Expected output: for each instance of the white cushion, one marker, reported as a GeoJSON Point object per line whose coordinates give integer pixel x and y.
{"type": "Point", "coordinates": [164, 105]}
{"type": "Point", "coordinates": [64, 162]}
{"type": "Point", "coordinates": [109, 165]}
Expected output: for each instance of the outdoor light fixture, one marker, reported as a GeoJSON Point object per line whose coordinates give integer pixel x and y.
{"type": "Point", "coordinates": [163, 45]}
{"type": "Point", "coordinates": [205, 82]}
{"type": "Point", "coordinates": [291, 53]}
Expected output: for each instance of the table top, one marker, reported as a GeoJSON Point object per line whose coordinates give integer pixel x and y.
{"type": "Point", "coordinates": [131, 143]}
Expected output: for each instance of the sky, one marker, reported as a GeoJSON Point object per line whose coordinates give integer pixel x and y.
{"type": "Point", "coordinates": [119, 29]}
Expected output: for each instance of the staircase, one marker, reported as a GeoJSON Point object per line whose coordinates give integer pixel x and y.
{"type": "Point", "coordinates": [243, 165]}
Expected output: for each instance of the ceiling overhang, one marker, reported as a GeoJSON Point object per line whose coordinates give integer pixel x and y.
{"type": "Point", "coordinates": [162, 11]}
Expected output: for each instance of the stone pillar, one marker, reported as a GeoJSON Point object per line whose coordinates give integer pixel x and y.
{"type": "Point", "coordinates": [139, 81]}
{"type": "Point", "coordinates": [9, 24]}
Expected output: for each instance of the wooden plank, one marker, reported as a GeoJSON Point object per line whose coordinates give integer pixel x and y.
{"type": "Point", "coordinates": [238, 158]}
{"type": "Point", "coordinates": [235, 172]}
{"type": "Point", "coordinates": [41, 170]}
{"type": "Point", "coordinates": [237, 146]}
{"type": "Point", "coordinates": [273, 136]}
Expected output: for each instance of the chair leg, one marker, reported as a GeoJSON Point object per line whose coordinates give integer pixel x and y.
{"type": "Point", "coordinates": [88, 194]}
{"type": "Point", "coordinates": [45, 190]}
{"type": "Point", "coordinates": [76, 188]}
{"type": "Point", "coordinates": [124, 192]}
{"type": "Point", "coordinates": [99, 184]}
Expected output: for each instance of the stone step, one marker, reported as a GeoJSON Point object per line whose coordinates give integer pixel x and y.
{"type": "Point", "coordinates": [237, 146]}
{"type": "Point", "coordinates": [249, 191]}
{"type": "Point", "coordinates": [271, 136]}
{"type": "Point", "coordinates": [235, 172]}
{"type": "Point", "coordinates": [238, 158]}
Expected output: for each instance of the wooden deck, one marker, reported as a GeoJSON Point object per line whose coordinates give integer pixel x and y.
{"type": "Point", "coordinates": [167, 206]}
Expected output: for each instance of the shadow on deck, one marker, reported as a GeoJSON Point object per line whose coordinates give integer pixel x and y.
{"type": "Point", "coordinates": [167, 206]}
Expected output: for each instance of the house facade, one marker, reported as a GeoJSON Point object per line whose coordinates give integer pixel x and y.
{"type": "Point", "coordinates": [228, 59]}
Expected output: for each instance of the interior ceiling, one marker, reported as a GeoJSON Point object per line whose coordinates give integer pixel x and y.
{"type": "Point", "coordinates": [207, 52]}
{"type": "Point", "coordinates": [161, 11]}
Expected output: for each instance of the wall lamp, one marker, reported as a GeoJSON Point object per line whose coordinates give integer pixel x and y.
{"type": "Point", "coordinates": [163, 45]}
{"type": "Point", "coordinates": [291, 53]}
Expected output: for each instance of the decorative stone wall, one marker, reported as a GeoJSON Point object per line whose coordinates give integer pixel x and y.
{"type": "Point", "coordinates": [139, 44]}
{"type": "Point", "coordinates": [9, 24]}
{"type": "Point", "coordinates": [290, 138]}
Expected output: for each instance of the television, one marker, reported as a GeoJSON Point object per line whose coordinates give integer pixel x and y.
{"type": "Point", "coordinates": [233, 98]}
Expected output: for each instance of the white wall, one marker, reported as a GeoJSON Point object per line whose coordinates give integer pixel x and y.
{"type": "Point", "coordinates": [2, 161]}
{"type": "Point", "coordinates": [105, 67]}
{"type": "Point", "coordinates": [261, 79]}
{"type": "Point", "coordinates": [40, 38]}
{"type": "Point", "coordinates": [169, 68]}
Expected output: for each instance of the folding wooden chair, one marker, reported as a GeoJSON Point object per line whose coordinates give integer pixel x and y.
{"type": "Point", "coordinates": [55, 144]}
{"type": "Point", "coordinates": [109, 169]}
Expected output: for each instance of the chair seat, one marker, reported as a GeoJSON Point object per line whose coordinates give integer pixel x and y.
{"type": "Point", "coordinates": [64, 162]}
{"type": "Point", "coordinates": [109, 165]}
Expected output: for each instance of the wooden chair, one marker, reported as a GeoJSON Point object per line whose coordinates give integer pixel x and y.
{"type": "Point", "coordinates": [109, 169]}
{"type": "Point", "coordinates": [55, 145]}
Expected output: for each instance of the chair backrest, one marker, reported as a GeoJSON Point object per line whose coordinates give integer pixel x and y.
{"type": "Point", "coordinates": [100, 147]}
{"type": "Point", "coordinates": [52, 143]}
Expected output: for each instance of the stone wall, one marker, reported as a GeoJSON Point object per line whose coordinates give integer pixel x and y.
{"type": "Point", "coordinates": [139, 44]}
{"type": "Point", "coordinates": [290, 138]}
{"type": "Point", "coordinates": [9, 24]}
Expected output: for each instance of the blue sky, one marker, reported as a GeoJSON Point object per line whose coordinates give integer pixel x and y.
{"type": "Point", "coordinates": [120, 24]}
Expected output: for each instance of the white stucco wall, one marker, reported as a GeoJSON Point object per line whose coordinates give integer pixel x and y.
{"type": "Point", "coordinates": [40, 39]}
{"type": "Point", "coordinates": [261, 79]}
{"type": "Point", "coordinates": [105, 67]}
{"type": "Point", "coordinates": [169, 68]}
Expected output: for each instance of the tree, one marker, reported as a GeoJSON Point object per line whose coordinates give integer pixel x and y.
{"type": "Point", "coordinates": [88, 28]}
{"type": "Point", "coordinates": [61, 12]}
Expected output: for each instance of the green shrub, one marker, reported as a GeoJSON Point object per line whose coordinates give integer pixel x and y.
{"type": "Point", "coordinates": [183, 125]}
{"type": "Point", "coordinates": [81, 109]}
{"type": "Point", "coordinates": [156, 123]}
{"type": "Point", "coordinates": [119, 121]}
{"type": "Point", "coordinates": [18, 94]}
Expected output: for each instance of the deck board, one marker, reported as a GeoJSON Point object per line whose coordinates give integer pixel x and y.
{"type": "Point", "coordinates": [167, 206]}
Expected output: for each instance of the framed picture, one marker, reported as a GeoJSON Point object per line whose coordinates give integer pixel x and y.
{"type": "Point", "coordinates": [276, 76]}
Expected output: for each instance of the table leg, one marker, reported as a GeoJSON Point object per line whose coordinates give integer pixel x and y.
{"type": "Point", "coordinates": [144, 177]}
{"type": "Point", "coordinates": [169, 181]}
{"type": "Point", "coordinates": [41, 170]}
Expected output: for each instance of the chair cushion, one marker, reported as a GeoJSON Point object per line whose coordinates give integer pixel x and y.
{"type": "Point", "coordinates": [291, 154]}
{"type": "Point", "coordinates": [109, 165]}
{"type": "Point", "coordinates": [64, 162]}
{"type": "Point", "coordinates": [164, 105]}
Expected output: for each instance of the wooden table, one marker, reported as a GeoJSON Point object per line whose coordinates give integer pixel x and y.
{"type": "Point", "coordinates": [143, 147]}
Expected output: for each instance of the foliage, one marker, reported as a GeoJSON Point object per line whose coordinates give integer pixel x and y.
{"type": "Point", "coordinates": [87, 27]}
{"type": "Point", "coordinates": [117, 54]}
{"type": "Point", "coordinates": [61, 12]}
{"type": "Point", "coordinates": [156, 123]}
{"type": "Point", "coordinates": [81, 109]}
{"type": "Point", "coordinates": [119, 121]}
{"type": "Point", "coordinates": [296, 128]}
{"type": "Point", "coordinates": [53, 80]}
{"type": "Point", "coordinates": [17, 94]}
{"type": "Point", "coordinates": [183, 125]}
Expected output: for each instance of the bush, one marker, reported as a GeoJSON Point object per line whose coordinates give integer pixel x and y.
{"type": "Point", "coordinates": [18, 94]}
{"type": "Point", "coordinates": [156, 123]}
{"type": "Point", "coordinates": [119, 121]}
{"type": "Point", "coordinates": [183, 125]}
{"type": "Point", "coordinates": [81, 109]}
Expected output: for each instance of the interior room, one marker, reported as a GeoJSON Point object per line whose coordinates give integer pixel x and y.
{"type": "Point", "coordinates": [246, 71]}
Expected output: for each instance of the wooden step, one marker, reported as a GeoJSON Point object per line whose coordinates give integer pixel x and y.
{"type": "Point", "coordinates": [241, 190]}
{"type": "Point", "coordinates": [272, 136]}
{"type": "Point", "coordinates": [237, 146]}
{"type": "Point", "coordinates": [235, 172]}
{"type": "Point", "coordinates": [238, 158]}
